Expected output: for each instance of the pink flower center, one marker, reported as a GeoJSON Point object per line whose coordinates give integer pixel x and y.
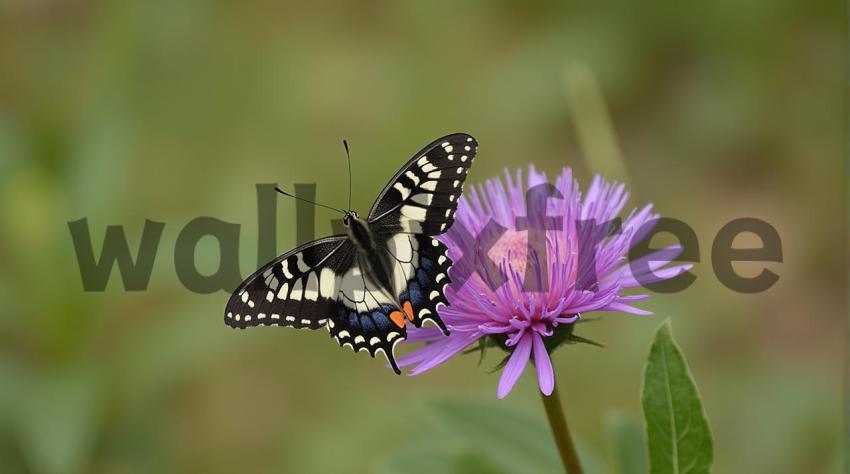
{"type": "Point", "coordinates": [513, 246]}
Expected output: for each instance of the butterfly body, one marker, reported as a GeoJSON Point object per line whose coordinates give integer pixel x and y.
{"type": "Point", "coordinates": [376, 264]}
{"type": "Point", "coordinates": [385, 272]}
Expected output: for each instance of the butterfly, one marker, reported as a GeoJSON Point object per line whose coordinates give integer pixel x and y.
{"type": "Point", "coordinates": [386, 271]}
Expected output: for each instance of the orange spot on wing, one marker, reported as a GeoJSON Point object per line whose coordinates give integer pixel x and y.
{"type": "Point", "coordinates": [397, 318]}
{"type": "Point", "coordinates": [408, 310]}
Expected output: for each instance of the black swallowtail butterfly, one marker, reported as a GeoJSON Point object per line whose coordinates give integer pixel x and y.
{"type": "Point", "coordinates": [386, 271]}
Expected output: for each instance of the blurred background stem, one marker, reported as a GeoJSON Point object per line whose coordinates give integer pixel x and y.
{"type": "Point", "coordinates": [594, 128]}
{"type": "Point", "coordinates": [561, 432]}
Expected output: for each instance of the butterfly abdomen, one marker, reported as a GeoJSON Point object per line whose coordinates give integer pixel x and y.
{"type": "Point", "coordinates": [373, 261]}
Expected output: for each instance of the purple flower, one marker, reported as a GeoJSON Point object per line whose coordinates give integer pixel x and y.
{"type": "Point", "coordinates": [583, 270]}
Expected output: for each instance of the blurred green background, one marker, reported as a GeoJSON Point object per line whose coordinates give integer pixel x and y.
{"type": "Point", "coordinates": [121, 111]}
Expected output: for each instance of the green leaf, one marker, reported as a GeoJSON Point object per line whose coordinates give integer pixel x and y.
{"type": "Point", "coordinates": [679, 437]}
{"type": "Point", "coordinates": [629, 444]}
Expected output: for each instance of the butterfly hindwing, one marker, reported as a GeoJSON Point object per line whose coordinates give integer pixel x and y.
{"type": "Point", "coordinates": [422, 197]}
{"type": "Point", "coordinates": [297, 289]}
{"type": "Point", "coordinates": [421, 273]}
{"type": "Point", "coordinates": [367, 317]}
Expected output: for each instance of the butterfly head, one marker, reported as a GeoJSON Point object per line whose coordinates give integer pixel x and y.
{"type": "Point", "coordinates": [358, 231]}
{"type": "Point", "coordinates": [348, 217]}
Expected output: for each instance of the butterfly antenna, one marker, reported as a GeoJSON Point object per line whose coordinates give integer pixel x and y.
{"type": "Point", "coordinates": [307, 200]}
{"type": "Point", "coordinates": [348, 154]}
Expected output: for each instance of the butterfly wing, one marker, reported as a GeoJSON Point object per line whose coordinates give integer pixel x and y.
{"type": "Point", "coordinates": [367, 317]}
{"type": "Point", "coordinates": [298, 289]}
{"type": "Point", "coordinates": [420, 274]}
{"type": "Point", "coordinates": [318, 284]}
{"type": "Point", "coordinates": [422, 197]}
{"type": "Point", "coordinates": [418, 203]}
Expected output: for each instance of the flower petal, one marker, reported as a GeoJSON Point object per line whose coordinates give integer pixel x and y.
{"type": "Point", "coordinates": [423, 334]}
{"type": "Point", "coordinates": [453, 344]}
{"type": "Point", "coordinates": [428, 351]}
{"type": "Point", "coordinates": [649, 267]}
{"type": "Point", "coordinates": [515, 367]}
{"type": "Point", "coordinates": [545, 373]}
{"type": "Point", "coordinates": [625, 308]}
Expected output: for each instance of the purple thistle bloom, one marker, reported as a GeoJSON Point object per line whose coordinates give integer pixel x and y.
{"type": "Point", "coordinates": [582, 271]}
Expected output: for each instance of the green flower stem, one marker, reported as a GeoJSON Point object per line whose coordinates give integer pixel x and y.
{"type": "Point", "coordinates": [558, 423]}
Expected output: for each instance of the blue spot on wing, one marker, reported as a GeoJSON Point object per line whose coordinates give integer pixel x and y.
{"type": "Point", "coordinates": [423, 278]}
{"type": "Point", "coordinates": [415, 294]}
{"type": "Point", "coordinates": [354, 321]}
{"type": "Point", "coordinates": [382, 322]}
{"type": "Point", "coordinates": [367, 325]}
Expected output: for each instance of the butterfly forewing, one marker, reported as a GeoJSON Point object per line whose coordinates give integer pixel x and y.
{"type": "Point", "coordinates": [422, 197]}
{"type": "Point", "coordinates": [297, 289]}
